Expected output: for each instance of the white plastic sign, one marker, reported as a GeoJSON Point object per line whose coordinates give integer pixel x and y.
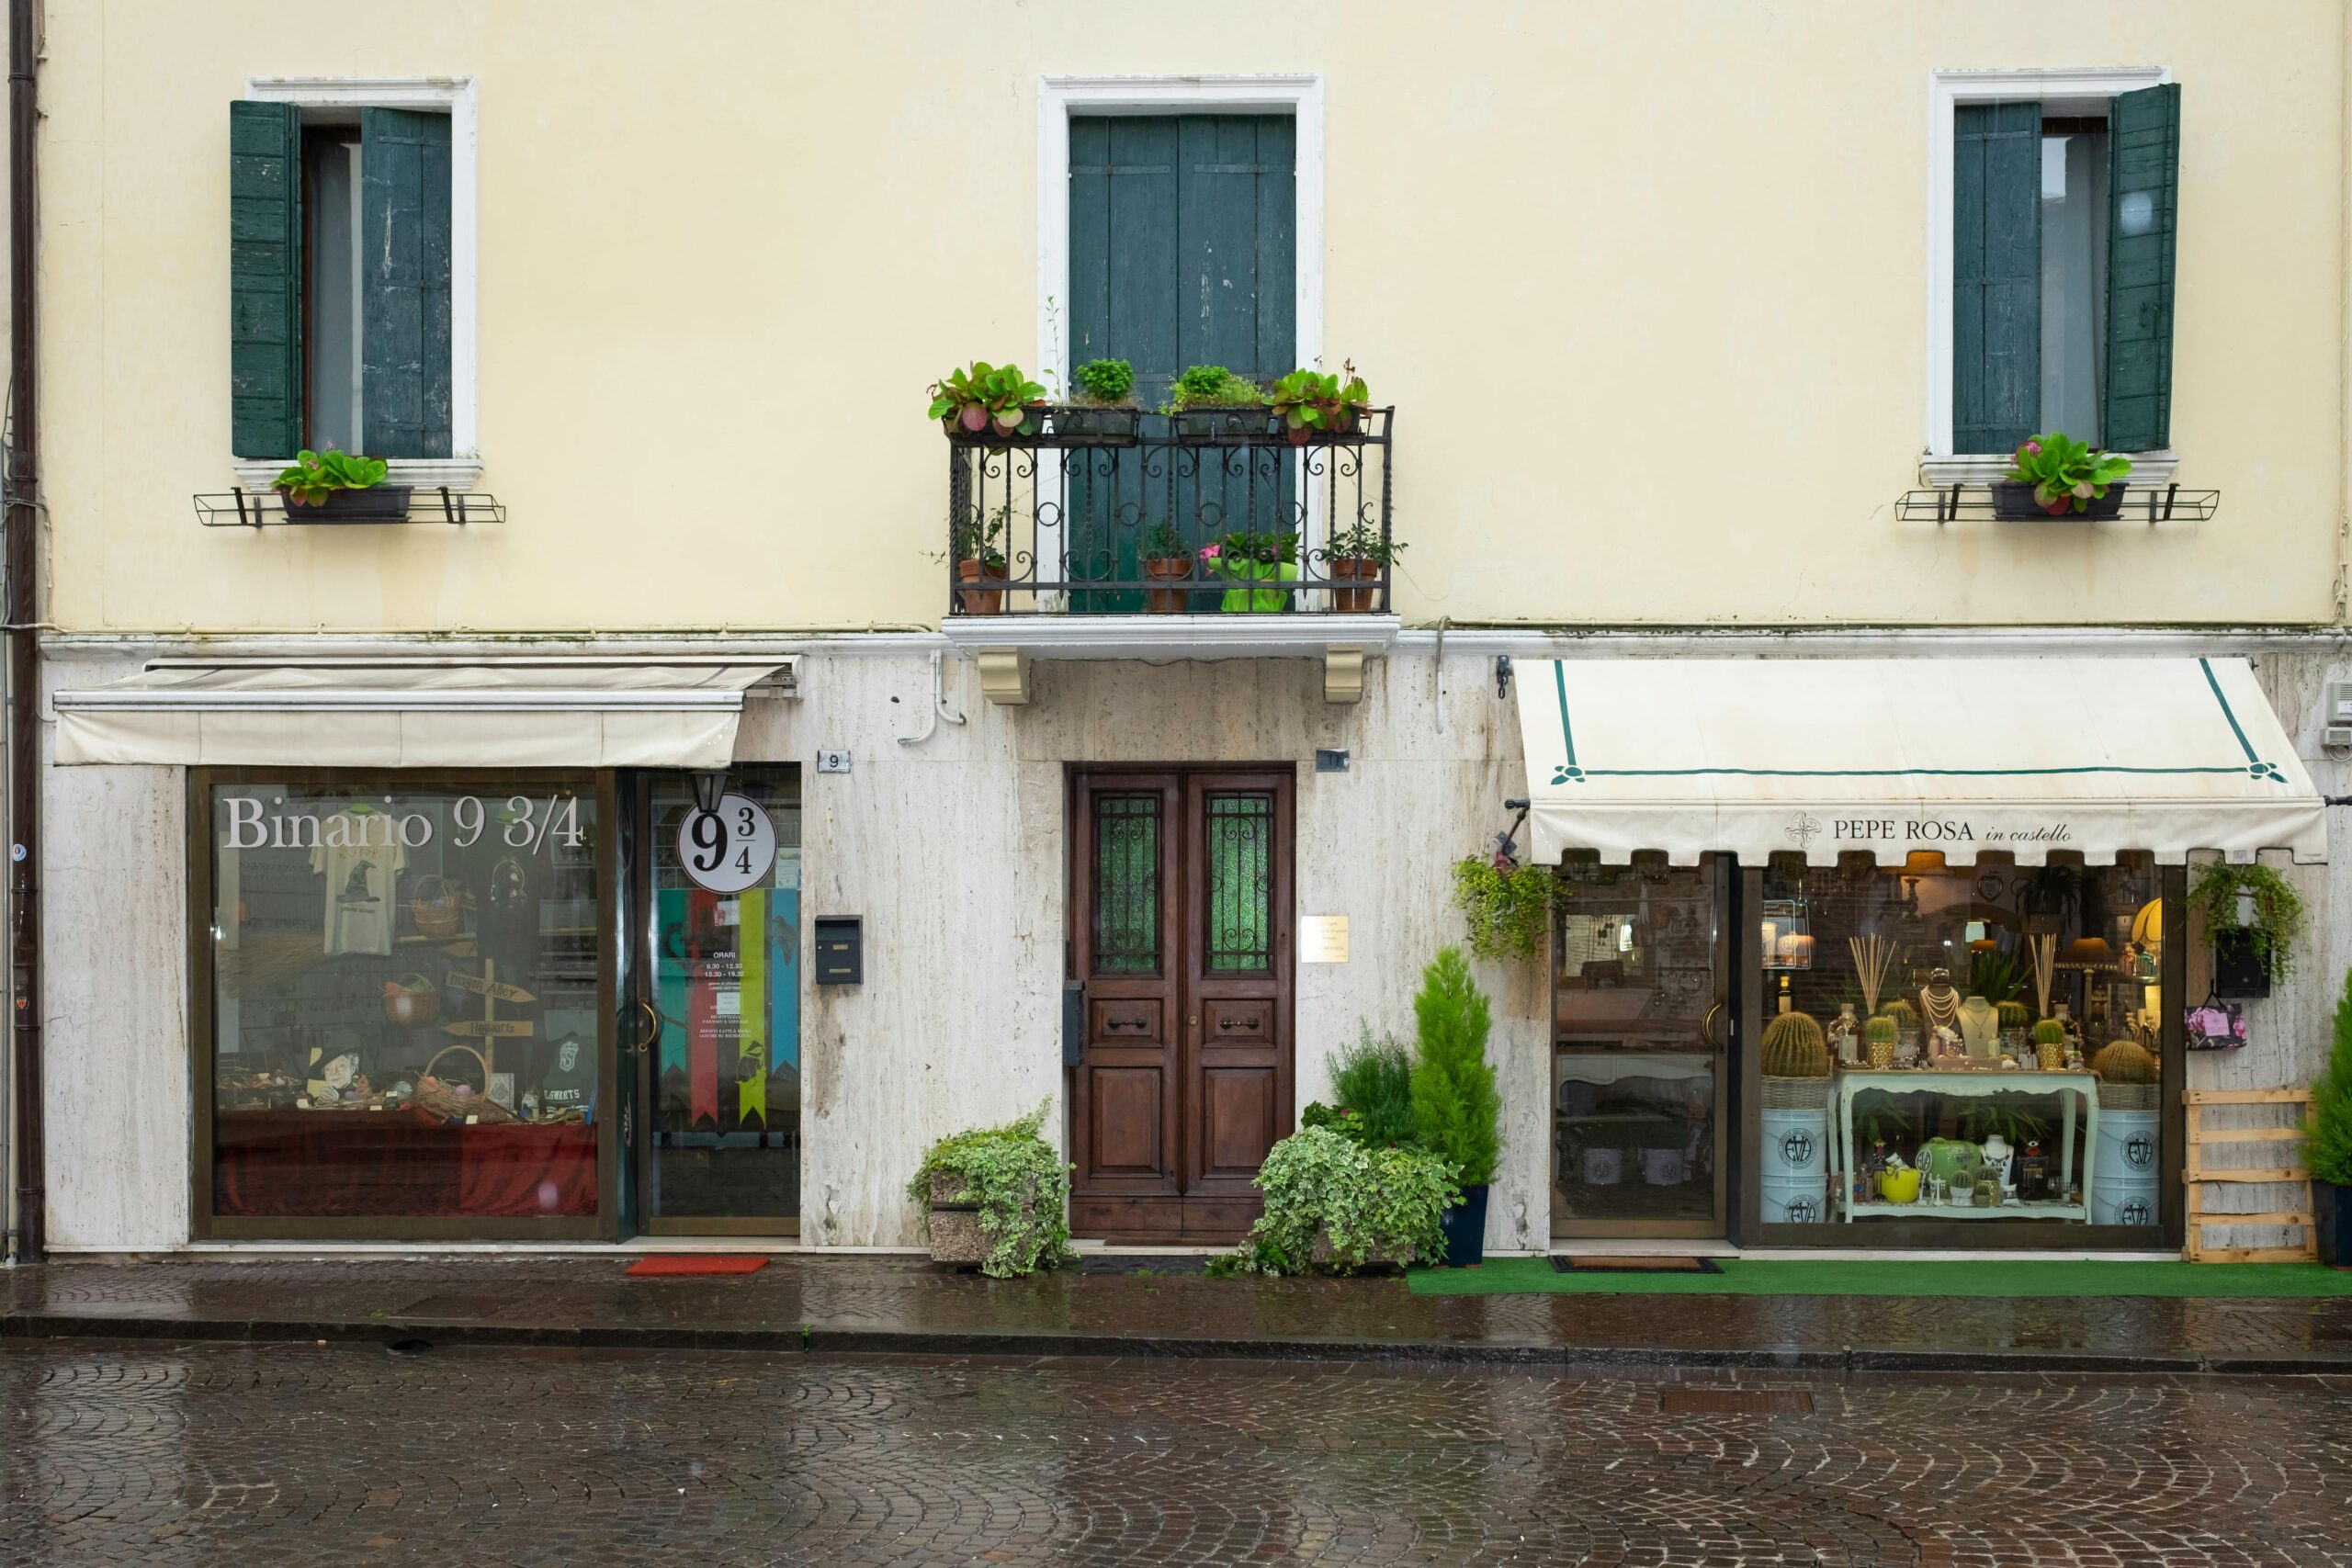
{"type": "Point", "coordinates": [727, 849]}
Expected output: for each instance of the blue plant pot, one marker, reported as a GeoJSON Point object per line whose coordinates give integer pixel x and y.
{"type": "Point", "coordinates": [2331, 1215]}
{"type": "Point", "coordinates": [1465, 1230]}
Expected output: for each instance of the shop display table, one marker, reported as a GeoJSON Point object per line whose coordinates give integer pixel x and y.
{"type": "Point", "coordinates": [2071, 1088]}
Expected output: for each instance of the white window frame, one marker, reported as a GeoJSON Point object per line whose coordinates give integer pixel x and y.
{"type": "Point", "coordinates": [1300, 96]}
{"type": "Point", "coordinates": [456, 96]}
{"type": "Point", "coordinates": [1947, 90]}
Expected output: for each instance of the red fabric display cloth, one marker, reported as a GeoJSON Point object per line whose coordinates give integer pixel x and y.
{"type": "Point", "coordinates": [397, 1164]}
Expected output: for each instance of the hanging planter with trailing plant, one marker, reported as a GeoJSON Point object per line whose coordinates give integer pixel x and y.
{"type": "Point", "coordinates": [2254, 916]}
{"type": "Point", "coordinates": [1506, 906]}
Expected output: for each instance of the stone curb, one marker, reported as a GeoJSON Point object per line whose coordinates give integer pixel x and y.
{"type": "Point", "coordinates": [803, 1339]}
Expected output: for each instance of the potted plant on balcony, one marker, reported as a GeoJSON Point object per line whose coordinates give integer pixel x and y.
{"type": "Point", "coordinates": [989, 404]}
{"type": "Point", "coordinates": [2055, 475]}
{"type": "Point", "coordinates": [2254, 916]}
{"type": "Point", "coordinates": [1105, 411]}
{"type": "Point", "coordinates": [979, 549]}
{"type": "Point", "coordinates": [340, 487]}
{"type": "Point", "coordinates": [1166, 559]}
{"type": "Point", "coordinates": [1249, 556]}
{"type": "Point", "coordinates": [1358, 552]}
{"type": "Point", "coordinates": [1313, 406]}
{"type": "Point", "coordinates": [1211, 405]}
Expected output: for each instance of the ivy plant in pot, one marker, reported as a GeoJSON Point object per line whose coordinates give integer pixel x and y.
{"type": "Point", "coordinates": [2057, 476]}
{"type": "Point", "coordinates": [1103, 412]}
{"type": "Point", "coordinates": [2328, 1143]}
{"type": "Point", "coordinates": [987, 404]}
{"type": "Point", "coordinates": [1457, 1110]}
{"type": "Point", "coordinates": [1507, 906]}
{"type": "Point", "coordinates": [979, 551]}
{"type": "Point", "coordinates": [1249, 557]}
{"type": "Point", "coordinates": [1361, 554]}
{"type": "Point", "coordinates": [1211, 405]}
{"type": "Point", "coordinates": [1313, 406]}
{"type": "Point", "coordinates": [340, 487]}
{"type": "Point", "coordinates": [2254, 916]}
{"type": "Point", "coordinates": [998, 1197]}
{"type": "Point", "coordinates": [1336, 1201]}
{"type": "Point", "coordinates": [1166, 559]}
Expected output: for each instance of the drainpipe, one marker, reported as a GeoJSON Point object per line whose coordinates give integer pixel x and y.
{"type": "Point", "coordinates": [22, 521]}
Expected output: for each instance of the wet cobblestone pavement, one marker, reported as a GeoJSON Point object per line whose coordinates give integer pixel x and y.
{"type": "Point", "coordinates": [904, 1303]}
{"type": "Point", "coordinates": [153, 1453]}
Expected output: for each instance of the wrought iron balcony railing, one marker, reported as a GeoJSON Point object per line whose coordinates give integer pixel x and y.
{"type": "Point", "coordinates": [1084, 522]}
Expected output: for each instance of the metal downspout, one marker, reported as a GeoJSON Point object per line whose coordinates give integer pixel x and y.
{"type": "Point", "coordinates": [22, 523]}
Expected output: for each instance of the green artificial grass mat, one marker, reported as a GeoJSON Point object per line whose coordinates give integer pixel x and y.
{"type": "Point", "coordinates": [1806, 1276]}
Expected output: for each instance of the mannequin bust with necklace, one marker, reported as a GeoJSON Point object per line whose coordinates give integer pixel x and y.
{"type": "Point", "coordinates": [1939, 1002]}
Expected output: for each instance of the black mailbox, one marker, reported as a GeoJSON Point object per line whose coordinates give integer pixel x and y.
{"type": "Point", "coordinates": [840, 951]}
{"type": "Point", "coordinates": [1073, 1024]}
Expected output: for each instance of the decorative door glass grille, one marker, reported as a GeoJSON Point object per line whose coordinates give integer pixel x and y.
{"type": "Point", "coordinates": [1240, 883]}
{"type": "Point", "coordinates": [1127, 885]}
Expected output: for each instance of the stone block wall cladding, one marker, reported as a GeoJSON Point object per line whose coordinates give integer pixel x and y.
{"type": "Point", "coordinates": [954, 852]}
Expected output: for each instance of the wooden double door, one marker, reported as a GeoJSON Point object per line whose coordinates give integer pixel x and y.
{"type": "Point", "coordinates": [1180, 937]}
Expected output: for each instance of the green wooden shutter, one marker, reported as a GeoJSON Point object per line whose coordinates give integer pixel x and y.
{"type": "Point", "coordinates": [264, 279]}
{"type": "Point", "coordinates": [2143, 182]}
{"type": "Point", "coordinates": [404, 282]}
{"type": "Point", "coordinates": [1996, 275]}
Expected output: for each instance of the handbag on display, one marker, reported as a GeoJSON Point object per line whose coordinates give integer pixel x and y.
{"type": "Point", "coordinates": [2213, 1026]}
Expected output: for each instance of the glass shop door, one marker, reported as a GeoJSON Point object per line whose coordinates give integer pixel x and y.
{"type": "Point", "coordinates": [1641, 1018]}
{"type": "Point", "coordinates": [714, 1003]}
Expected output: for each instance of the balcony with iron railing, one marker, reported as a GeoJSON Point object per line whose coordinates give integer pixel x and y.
{"type": "Point", "coordinates": [1204, 513]}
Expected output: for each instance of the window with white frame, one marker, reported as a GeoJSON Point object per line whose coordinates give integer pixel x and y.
{"type": "Point", "coordinates": [2052, 219]}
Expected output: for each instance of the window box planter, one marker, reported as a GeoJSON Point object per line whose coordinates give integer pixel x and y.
{"type": "Point", "coordinates": [1093, 424]}
{"type": "Point", "coordinates": [992, 436]}
{"type": "Point", "coordinates": [1241, 425]}
{"type": "Point", "coordinates": [378, 504]}
{"type": "Point", "coordinates": [2014, 503]}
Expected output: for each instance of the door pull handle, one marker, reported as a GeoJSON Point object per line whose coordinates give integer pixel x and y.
{"type": "Point", "coordinates": [1249, 1022]}
{"type": "Point", "coordinates": [653, 1020]}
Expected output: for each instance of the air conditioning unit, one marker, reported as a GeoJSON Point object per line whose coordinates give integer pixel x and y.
{"type": "Point", "coordinates": [2339, 715]}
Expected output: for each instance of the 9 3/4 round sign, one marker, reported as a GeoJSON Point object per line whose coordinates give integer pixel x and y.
{"type": "Point", "coordinates": [727, 849]}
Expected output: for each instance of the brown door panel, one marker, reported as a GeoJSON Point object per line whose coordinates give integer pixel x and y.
{"type": "Point", "coordinates": [1238, 1121]}
{"type": "Point", "coordinates": [1120, 1020]}
{"type": "Point", "coordinates": [1124, 1138]}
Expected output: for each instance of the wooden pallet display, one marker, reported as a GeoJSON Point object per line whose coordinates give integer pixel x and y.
{"type": "Point", "coordinates": [2202, 1137]}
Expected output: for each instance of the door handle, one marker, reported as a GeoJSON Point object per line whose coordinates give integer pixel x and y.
{"type": "Point", "coordinates": [1707, 1027]}
{"type": "Point", "coordinates": [653, 1031]}
{"type": "Point", "coordinates": [1249, 1022]}
{"type": "Point", "coordinates": [1109, 1022]}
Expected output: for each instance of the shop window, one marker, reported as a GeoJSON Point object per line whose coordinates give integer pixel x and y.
{"type": "Point", "coordinates": [1952, 1035]}
{"type": "Point", "coordinates": [2062, 214]}
{"type": "Point", "coordinates": [403, 989]}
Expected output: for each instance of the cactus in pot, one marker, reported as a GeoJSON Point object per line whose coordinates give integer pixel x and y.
{"type": "Point", "coordinates": [2126, 1061]}
{"type": "Point", "coordinates": [2013, 1015]}
{"type": "Point", "coordinates": [2050, 1045]}
{"type": "Point", "coordinates": [1794, 1047]}
{"type": "Point", "coordinates": [1878, 1041]}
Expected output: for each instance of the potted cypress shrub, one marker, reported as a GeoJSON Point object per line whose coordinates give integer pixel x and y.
{"type": "Point", "coordinates": [1457, 1111]}
{"type": "Point", "coordinates": [1105, 411]}
{"type": "Point", "coordinates": [1166, 559]}
{"type": "Point", "coordinates": [1210, 405]}
{"type": "Point", "coordinates": [2055, 475]}
{"type": "Point", "coordinates": [2328, 1143]}
{"type": "Point", "coordinates": [340, 487]}
{"type": "Point", "coordinates": [2254, 916]}
{"type": "Point", "coordinates": [1358, 552]}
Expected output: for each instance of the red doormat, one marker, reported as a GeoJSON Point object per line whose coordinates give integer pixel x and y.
{"type": "Point", "coordinates": [698, 1263]}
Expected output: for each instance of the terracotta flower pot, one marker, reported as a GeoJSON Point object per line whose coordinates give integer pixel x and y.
{"type": "Point", "coordinates": [980, 601]}
{"type": "Point", "coordinates": [1168, 568]}
{"type": "Point", "coordinates": [1354, 601]}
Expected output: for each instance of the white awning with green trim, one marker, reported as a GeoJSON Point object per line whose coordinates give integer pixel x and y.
{"type": "Point", "coordinates": [1890, 756]}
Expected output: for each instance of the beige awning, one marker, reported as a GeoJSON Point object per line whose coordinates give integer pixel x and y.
{"type": "Point", "coordinates": [1888, 756]}
{"type": "Point", "coordinates": [417, 713]}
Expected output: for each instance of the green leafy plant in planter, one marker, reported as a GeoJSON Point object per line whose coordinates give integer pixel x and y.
{"type": "Point", "coordinates": [1996, 974]}
{"type": "Point", "coordinates": [2327, 1142]}
{"type": "Point", "coordinates": [1357, 552]}
{"type": "Point", "coordinates": [1210, 404]}
{"type": "Point", "coordinates": [1167, 559]}
{"type": "Point", "coordinates": [317, 479]}
{"type": "Point", "coordinates": [987, 396]}
{"type": "Point", "coordinates": [1247, 556]}
{"type": "Point", "coordinates": [2065, 474]}
{"type": "Point", "coordinates": [976, 545]}
{"type": "Point", "coordinates": [1110, 382]}
{"type": "Point", "coordinates": [2277, 910]}
{"type": "Point", "coordinates": [1508, 906]}
{"type": "Point", "coordinates": [1103, 412]}
{"type": "Point", "coordinates": [1019, 1184]}
{"type": "Point", "coordinates": [1333, 1201]}
{"type": "Point", "coordinates": [1457, 1110]}
{"type": "Point", "coordinates": [1309, 403]}
{"type": "Point", "coordinates": [1373, 1079]}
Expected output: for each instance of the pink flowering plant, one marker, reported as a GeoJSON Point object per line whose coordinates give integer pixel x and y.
{"type": "Point", "coordinates": [2066, 474]}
